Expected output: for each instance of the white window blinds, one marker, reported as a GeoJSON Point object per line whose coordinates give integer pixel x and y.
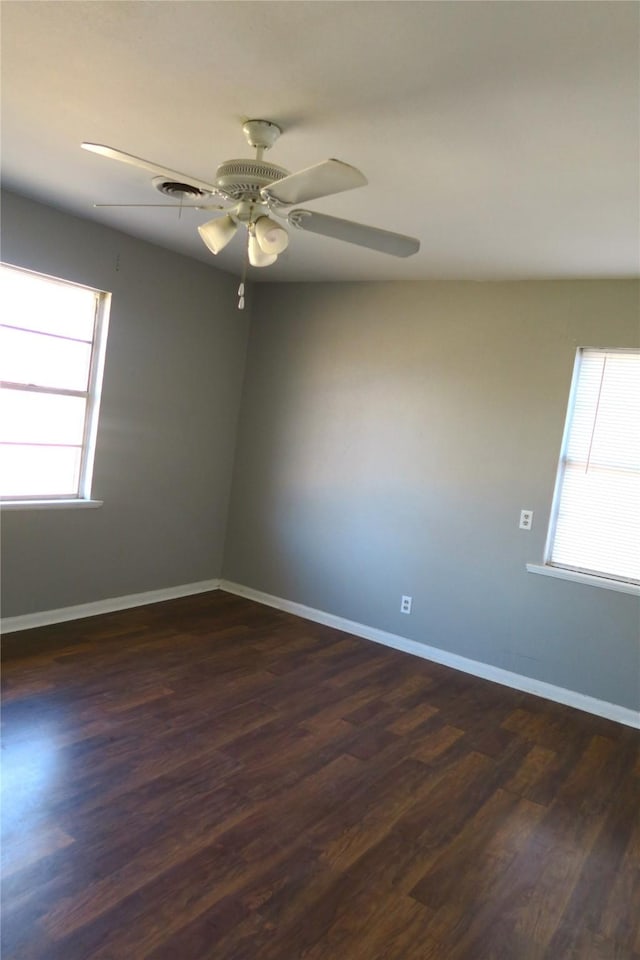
{"type": "Point", "coordinates": [596, 523]}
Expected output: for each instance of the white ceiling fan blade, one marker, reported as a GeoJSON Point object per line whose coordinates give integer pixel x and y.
{"type": "Point", "coordinates": [154, 168]}
{"type": "Point", "coordinates": [321, 180]}
{"type": "Point", "coordinates": [182, 206]}
{"type": "Point", "coordinates": [396, 244]}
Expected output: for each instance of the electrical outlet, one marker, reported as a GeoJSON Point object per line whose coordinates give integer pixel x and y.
{"type": "Point", "coordinates": [405, 604]}
{"type": "Point", "coordinates": [526, 519]}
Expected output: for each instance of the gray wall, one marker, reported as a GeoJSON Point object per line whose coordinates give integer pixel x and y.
{"type": "Point", "coordinates": [390, 435]}
{"type": "Point", "coordinates": [172, 384]}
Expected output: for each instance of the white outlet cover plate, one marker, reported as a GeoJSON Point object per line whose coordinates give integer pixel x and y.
{"type": "Point", "coordinates": [526, 519]}
{"type": "Point", "coordinates": [405, 604]}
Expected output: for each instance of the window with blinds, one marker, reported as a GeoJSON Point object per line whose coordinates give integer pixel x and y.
{"type": "Point", "coordinates": [595, 522]}
{"type": "Point", "coordinates": [52, 340]}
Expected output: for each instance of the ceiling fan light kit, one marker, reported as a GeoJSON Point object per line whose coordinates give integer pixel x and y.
{"type": "Point", "coordinates": [271, 236]}
{"type": "Point", "coordinates": [217, 233]}
{"type": "Point", "coordinates": [257, 189]}
{"type": "Point", "coordinates": [257, 256]}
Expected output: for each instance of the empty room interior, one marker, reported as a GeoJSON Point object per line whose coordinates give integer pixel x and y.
{"type": "Point", "coordinates": [320, 422]}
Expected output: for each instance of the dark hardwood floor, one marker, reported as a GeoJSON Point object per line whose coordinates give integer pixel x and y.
{"type": "Point", "coordinates": [210, 779]}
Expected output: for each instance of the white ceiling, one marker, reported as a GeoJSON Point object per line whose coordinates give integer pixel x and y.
{"type": "Point", "coordinates": [504, 135]}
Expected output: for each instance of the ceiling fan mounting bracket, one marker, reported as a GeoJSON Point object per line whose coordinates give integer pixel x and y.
{"type": "Point", "coordinates": [261, 134]}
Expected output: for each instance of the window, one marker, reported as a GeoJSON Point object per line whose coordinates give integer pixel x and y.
{"type": "Point", "coordinates": [595, 521]}
{"type": "Point", "coordinates": [52, 340]}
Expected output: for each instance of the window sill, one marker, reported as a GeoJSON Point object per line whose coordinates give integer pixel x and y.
{"type": "Point", "coordinates": [75, 504]}
{"type": "Point", "coordinates": [587, 578]}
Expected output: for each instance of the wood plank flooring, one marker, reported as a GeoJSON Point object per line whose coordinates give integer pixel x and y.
{"type": "Point", "coordinates": [210, 779]}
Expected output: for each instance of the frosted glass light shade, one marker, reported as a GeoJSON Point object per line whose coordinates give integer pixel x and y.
{"type": "Point", "coordinates": [271, 236]}
{"type": "Point", "coordinates": [217, 233]}
{"type": "Point", "coordinates": [257, 256]}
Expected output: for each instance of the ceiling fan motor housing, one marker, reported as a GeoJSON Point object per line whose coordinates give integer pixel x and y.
{"type": "Point", "coordinates": [243, 179]}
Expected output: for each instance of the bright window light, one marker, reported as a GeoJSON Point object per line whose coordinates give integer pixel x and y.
{"type": "Point", "coordinates": [595, 522]}
{"type": "Point", "coordinates": [52, 342]}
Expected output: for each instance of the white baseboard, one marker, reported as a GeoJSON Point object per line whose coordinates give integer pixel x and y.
{"type": "Point", "coordinates": [569, 698]}
{"type": "Point", "coordinates": [110, 605]}
{"type": "Point", "coordinates": [476, 668]}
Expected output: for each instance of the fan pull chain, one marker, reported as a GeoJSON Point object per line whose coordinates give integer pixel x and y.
{"type": "Point", "coordinates": [242, 280]}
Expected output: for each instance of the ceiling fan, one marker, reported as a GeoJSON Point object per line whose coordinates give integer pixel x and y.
{"type": "Point", "coordinates": [255, 190]}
